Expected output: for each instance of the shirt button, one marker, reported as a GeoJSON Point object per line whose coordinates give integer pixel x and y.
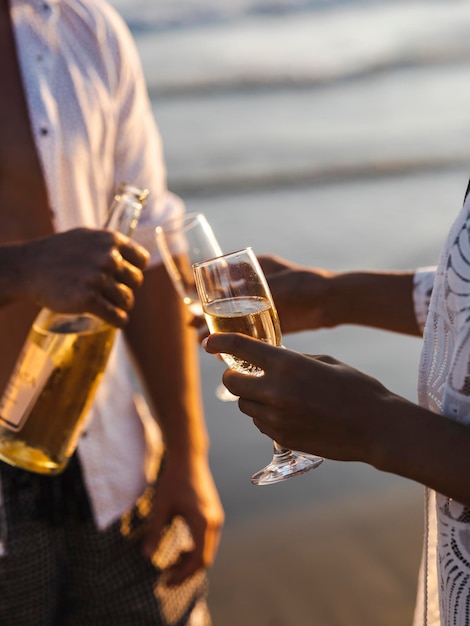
{"type": "Point", "coordinates": [43, 131]}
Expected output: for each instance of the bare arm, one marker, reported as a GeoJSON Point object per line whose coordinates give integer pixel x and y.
{"type": "Point", "coordinates": [165, 348]}
{"type": "Point", "coordinates": [319, 405]}
{"type": "Point", "coordinates": [78, 271]}
{"type": "Point", "coordinates": [311, 298]}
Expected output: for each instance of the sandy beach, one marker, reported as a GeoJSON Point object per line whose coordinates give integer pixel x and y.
{"type": "Point", "coordinates": [348, 563]}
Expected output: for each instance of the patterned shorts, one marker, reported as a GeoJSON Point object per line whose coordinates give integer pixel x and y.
{"type": "Point", "coordinates": [59, 570]}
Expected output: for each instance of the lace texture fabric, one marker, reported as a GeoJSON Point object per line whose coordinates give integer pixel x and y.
{"type": "Point", "coordinates": [444, 387]}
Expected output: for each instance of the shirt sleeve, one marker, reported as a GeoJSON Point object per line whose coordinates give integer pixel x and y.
{"type": "Point", "coordinates": [138, 151]}
{"type": "Point", "coordinates": [169, 207]}
{"type": "Point", "coordinates": [423, 282]}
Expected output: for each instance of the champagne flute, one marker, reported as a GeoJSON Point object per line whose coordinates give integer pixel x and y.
{"type": "Point", "coordinates": [184, 240]}
{"type": "Point", "coordinates": [235, 297]}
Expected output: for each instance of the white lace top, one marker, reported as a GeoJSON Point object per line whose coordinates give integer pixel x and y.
{"type": "Point", "coordinates": [444, 387]}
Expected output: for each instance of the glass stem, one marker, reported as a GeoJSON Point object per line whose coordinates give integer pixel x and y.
{"type": "Point", "coordinates": [280, 451]}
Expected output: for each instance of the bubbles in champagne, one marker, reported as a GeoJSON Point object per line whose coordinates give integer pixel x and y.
{"type": "Point", "coordinates": [249, 315]}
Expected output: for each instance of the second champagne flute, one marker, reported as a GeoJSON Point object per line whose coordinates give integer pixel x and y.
{"type": "Point", "coordinates": [184, 240]}
{"type": "Point", "coordinates": [236, 298]}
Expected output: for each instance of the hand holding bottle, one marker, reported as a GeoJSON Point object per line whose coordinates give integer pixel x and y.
{"type": "Point", "coordinates": [98, 272]}
{"type": "Point", "coordinates": [44, 406]}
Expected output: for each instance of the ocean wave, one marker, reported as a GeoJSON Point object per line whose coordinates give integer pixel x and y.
{"type": "Point", "coordinates": [306, 49]}
{"type": "Point", "coordinates": [242, 182]}
{"type": "Point", "coordinates": [145, 15]}
{"type": "Point", "coordinates": [208, 86]}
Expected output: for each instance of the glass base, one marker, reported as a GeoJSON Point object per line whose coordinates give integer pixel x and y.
{"type": "Point", "coordinates": [286, 465]}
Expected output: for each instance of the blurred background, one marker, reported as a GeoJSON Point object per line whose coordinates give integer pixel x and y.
{"type": "Point", "coordinates": [335, 134]}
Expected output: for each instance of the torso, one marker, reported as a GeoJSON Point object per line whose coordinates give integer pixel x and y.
{"type": "Point", "coordinates": [24, 207]}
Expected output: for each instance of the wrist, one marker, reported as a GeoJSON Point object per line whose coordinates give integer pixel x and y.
{"type": "Point", "coordinates": [335, 300]}
{"type": "Point", "coordinates": [398, 438]}
{"type": "Point", "coordinates": [386, 434]}
{"type": "Point", "coordinates": [14, 275]}
{"type": "Point", "coordinates": [185, 461]}
{"type": "Point", "coordinates": [187, 450]}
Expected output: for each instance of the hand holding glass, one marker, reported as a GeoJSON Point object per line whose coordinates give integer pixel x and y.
{"type": "Point", "coordinates": [235, 297]}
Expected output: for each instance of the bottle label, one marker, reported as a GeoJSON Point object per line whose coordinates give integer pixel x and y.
{"type": "Point", "coordinates": [33, 368]}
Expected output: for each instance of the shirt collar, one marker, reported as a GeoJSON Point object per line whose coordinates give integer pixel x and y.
{"type": "Point", "coordinates": [37, 4]}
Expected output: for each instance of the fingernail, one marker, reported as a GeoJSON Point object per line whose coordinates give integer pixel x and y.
{"type": "Point", "coordinates": [204, 342]}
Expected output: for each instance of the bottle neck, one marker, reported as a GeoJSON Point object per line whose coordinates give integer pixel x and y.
{"type": "Point", "coordinates": [125, 209]}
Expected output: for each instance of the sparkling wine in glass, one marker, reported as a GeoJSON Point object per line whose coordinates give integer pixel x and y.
{"type": "Point", "coordinates": [235, 297]}
{"type": "Point", "coordinates": [183, 241]}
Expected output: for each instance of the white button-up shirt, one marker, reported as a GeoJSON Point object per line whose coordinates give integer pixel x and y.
{"type": "Point", "coordinates": [94, 129]}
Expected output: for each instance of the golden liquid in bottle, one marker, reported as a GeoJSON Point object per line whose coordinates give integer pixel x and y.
{"type": "Point", "coordinates": [253, 316]}
{"type": "Point", "coordinates": [73, 351]}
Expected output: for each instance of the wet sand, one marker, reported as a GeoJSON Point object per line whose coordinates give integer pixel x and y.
{"type": "Point", "coordinates": [349, 563]}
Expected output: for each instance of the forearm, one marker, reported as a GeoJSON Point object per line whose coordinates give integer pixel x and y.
{"type": "Point", "coordinates": [165, 348]}
{"type": "Point", "coordinates": [425, 447]}
{"type": "Point", "coordinates": [378, 299]}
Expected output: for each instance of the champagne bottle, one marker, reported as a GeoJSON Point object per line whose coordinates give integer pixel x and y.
{"type": "Point", "coordinates": [58, 371]}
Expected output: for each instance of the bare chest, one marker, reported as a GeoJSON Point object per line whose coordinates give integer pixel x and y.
{"type": "Point", "coordinates": [24, 206]}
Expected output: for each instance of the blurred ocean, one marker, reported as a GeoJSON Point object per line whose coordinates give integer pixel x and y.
{"type": "Point", "coordinates": [251, 93]}
{"type": "Point", "coordinates": [332, 133]}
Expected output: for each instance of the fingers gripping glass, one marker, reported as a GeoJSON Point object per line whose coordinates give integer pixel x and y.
{"type": "Point", "coordinates": [182, 241]}
{"type": "Point", "coordinates": [235, 297]}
